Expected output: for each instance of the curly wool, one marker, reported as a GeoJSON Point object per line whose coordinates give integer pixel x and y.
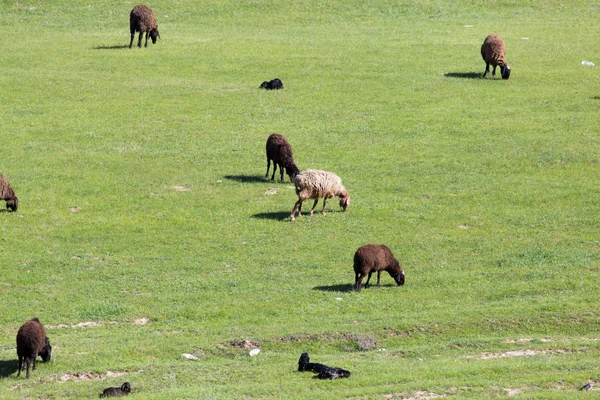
{"type": "Point", "coordinates": [143, 20]}
{"type": "Point", "coordinates": [316, 184]}
{"type": "Point", "coordinates": [8, 194]}
{"type": "Point", "coordinates": [493, 52]}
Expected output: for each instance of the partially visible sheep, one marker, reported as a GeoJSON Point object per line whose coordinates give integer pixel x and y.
{"type": "Point", "coordinates": [143, 20]}
{"type": "Point", "coordinates": [124, 390]}
{"type": "Point", "coordinates": [315, 184]}
{"type": "Point", "coordinates": [272, 85]}
{"type": "Point", "coordinates": [31, 342]}
{"type": "Point", "coordinates": [323, 371]}
{"type": "Point", "coordinates": [6, 193]}
{"type": "Point", "coordinates": [280, 151]}
{"type": "Point", "coordinates": [493, 51]}
{"type": "Point", "coordinates": [375, 257]}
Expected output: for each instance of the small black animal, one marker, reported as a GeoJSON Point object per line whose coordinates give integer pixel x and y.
{"type": "Point", "coordinates": [587, 386]}
{"type": "Point", "coordinates": [322, 370]}
{"type": "Point", "coordinates": [272, 85]}
{"type": "Point", "coordinates": [124, 390]}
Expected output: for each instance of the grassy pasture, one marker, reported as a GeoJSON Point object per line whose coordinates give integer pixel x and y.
{"type": "Point", "coordinates": [140, 179]}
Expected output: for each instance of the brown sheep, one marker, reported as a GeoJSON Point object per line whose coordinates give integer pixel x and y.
{"type": "Point", "coordinates": [280, 151]}
{"type": "Point", "coordinates": [31, 342]}
{"type": "Point", "coordinates": [143, 20]}
{"type": "Point", "coordinates": [493, 51]}
{"type": "Point", "coordinates": [6, 193]}
{"type": "Point", "coordinates": [375, 257]}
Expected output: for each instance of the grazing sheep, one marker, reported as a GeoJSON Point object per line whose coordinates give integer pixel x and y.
{"type": "Point", "coordinates": [375, 257]}
{"type": "Point", "coordinates": [124, 390]}
{"type": "Point", "coordinates": [143, 20]}
{"type": "Point", "coordinates": [493, 51]}
{"type": "Point", "coordinates": [315, 184]}
{"type": "Point", "coordinates": [323, 371]}
{"type": "Point", "coordinates": [272, 85]}
{"type": "Point", "coordinates": [6, 193]}
{"type": "Point", "coordinates": [280, 151]}
{"type": "Point", "coordinates": [31, 342]}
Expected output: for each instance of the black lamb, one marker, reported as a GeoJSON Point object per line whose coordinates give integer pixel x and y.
{"type": "Point", "coordinates": [322, 370]}
{"type": "Point", "coordinates": [32, 342]}
{"type": "Point", "coordinates": [280, 151]}
{"type": "Point", "coordinates": [275, 84]}
{"type": "Point", "coordinates": [124, 390]}
{"type": "Point", "coordinates": [143, 20]}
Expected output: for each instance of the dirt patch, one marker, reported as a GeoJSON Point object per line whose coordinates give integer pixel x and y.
{"type": "Point", "coordinates": [516, 353]}
{"type": "Point", "coordinates": [244, 344]}
{"type": "Point", "coordinates": [526, 340]}
{"type": "Point", "coordinates": [75, 209]}
{"type": "Point", "coordinates": [88, 324]}
{"type": "Point", "coordinates": [513, 391]}
{"type": "Point", "coordinates": [180, 188]}
{"type": "Point", "coordinates": [89, 376]}
{"type": "Point", "coordinates": [271, 192]}
{"type": "Point", "coordinates": [419, 395]}
{"type": "Point", "coordinates": [141, 321]}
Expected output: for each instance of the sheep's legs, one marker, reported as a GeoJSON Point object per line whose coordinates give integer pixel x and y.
{"type": "Point", "coordinates": [494, 71]}
{"type": "Point", "coordinates": [368, 279]}
{"type": "Point", "coordinates": [34, 361]}
{"type": "Point", "coordinates": [132, 36]}
{"type": "Point", "coordinates": [274, 170]}
{"type": "Point", "coordinates": [378, 276]}
{"type": "Point", "coordinates": [487, 69]}
{"type": "Point", "coordinates": [147, 34]}
{"type": "Point", "coordinates": [20, 365]}
{"type": "Point", "coordinates": [297, 207]}
{"type": "Point", "coordinates": [314, 205]}
{"type": "Point", "coordinates": [268, 167]}
{"type": "Point", "coordinates": [140, 39]}
{"type": "Point", "coordinates": [324, 203]}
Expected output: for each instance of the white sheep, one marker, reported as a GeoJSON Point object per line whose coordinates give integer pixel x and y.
{"type": "Point", "coordinates": [315, 184]}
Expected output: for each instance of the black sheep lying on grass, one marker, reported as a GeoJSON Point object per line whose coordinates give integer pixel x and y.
{"type": "Point", "coordinates": [124, 390]}
{"type": "Point", "coordinates": [272, 85]}
{"type": "Point", "coordinates": [323, 371]}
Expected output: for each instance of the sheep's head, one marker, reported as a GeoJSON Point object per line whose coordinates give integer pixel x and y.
{"type": "Point", "coordinates": [154, 35]}
{"type": "Point", "coordinates": [292, 171]}
{"type": "Point", "coordinates": [13, 203]}
{"type": "Point", "coordinates": [126, 387]}
{"type": "Point", "coordinates": [505, 71]}
{"type": "Point", "coordinates": [399, 278]}
{"type": "Point", "coordinates": [264, 85]}
{"type": "Point", "coordinates": [345, 202]}
{"type": "Point", "coordinates": [47, 351]}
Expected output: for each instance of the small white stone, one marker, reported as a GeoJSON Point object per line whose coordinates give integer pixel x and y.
{"type": "Point", "coordinates": [254, 352]}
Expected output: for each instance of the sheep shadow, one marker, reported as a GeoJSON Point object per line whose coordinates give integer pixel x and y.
{"type": "Point", "coordinates": [273, 215]}
{"type": "Point", "coordinates": [335, 288]}
{"type": "Point", "coordinates": [8, 367]}
{"type": "Point", "coordinates": [123, 46]}
{"type": "Point", "coordinates": [464, 75]}
{"type": "Point", "coordinates": [5, 210]}
{"type": "Point", "coordinates": [245, 178]}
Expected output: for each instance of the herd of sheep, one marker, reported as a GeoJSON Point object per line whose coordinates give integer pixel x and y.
{"type": "Point", "coordinates": [309, 184]}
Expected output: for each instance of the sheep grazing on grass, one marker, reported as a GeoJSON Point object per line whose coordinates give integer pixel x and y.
{"type": "Point", "coordinates": [272, 85]}
{"type": "Point", "coordinates": [6, 193]}
{"type": "Point", "coordinates": [375, 257]}
{"type": "Point", "coordinates": [280, 151]}
{"type": "Point", "coordinates": [124, 390]}
{"type": "Point", "coordinates": [493, 51]}
{"type": "Point", "coordinates": [323, 371]}
{"type": "Point", "coordinates": [32, 342]}
{"type": "Point", "coordinates": [315, 184]}
{"type": "Point", "coordinates": [143, 20]}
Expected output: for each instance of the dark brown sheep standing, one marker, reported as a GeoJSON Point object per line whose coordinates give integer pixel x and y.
{"type": "Point", "coordinates": [32, 342]}
{"type": "Point", "coordinates": [124, 390]}
{"type": "Point", "coordinates": [375, 257]}
{"type": "Point", "coordinates": [280, 151]}
{"type": "Point", "coordinates": [143, 20]}
{"type": "Point", "coordinates": [493, 51]}
{"type": "Point", "coordinates": [6, 193]}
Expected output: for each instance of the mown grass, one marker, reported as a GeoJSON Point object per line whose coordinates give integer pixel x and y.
{"type": "Point", "coordinates": [484, 189]}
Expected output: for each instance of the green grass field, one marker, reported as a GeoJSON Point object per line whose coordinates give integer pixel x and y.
{"type": "Point", "coordinates": [146, 230]}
